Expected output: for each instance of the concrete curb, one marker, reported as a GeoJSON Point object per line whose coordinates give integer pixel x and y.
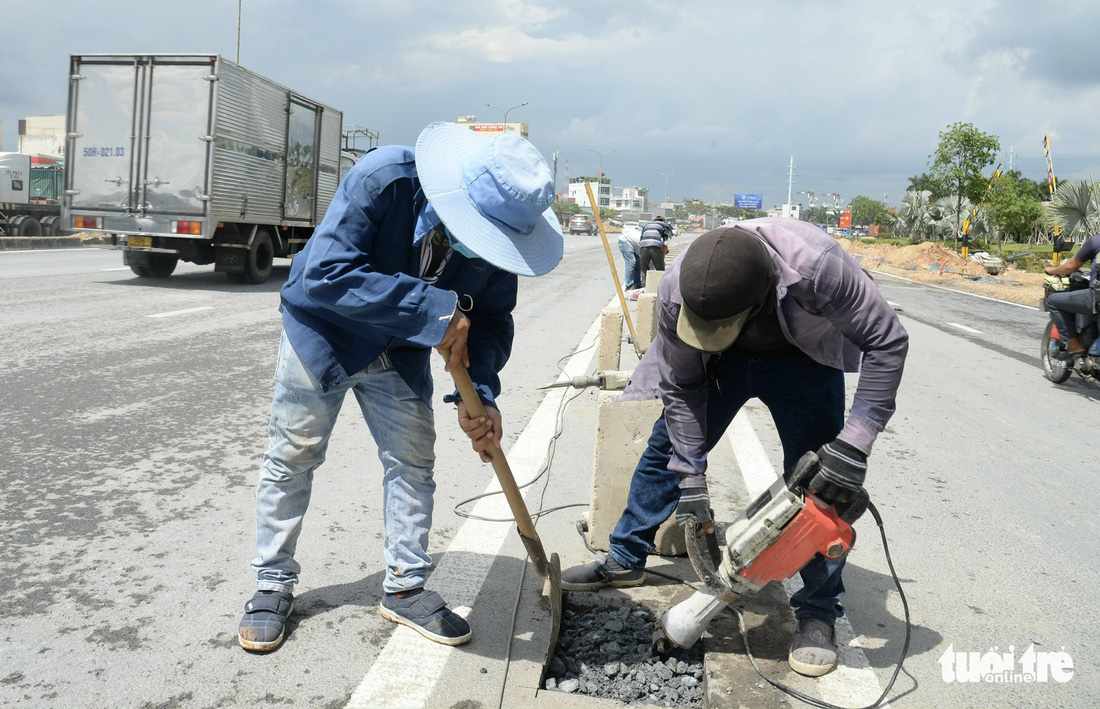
{"type": "Point", "coordinates": [76, 241]}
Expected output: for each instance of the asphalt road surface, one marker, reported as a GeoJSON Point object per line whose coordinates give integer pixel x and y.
{"type": "Point", "coordinates": [134, 415]}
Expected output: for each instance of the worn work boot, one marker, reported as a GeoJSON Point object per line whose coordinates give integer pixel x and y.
{"type": "Point", "coordinates": [601, 572]}
{"type": "Point", "coordinates": [813, 652]}
{"type": "Point", "coordinates": [427, 613]}
{"type": "Point", "coordinates": [262, 628]}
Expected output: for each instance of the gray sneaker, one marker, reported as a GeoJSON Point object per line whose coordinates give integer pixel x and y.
{"type": "Point", "coordinates": [599, 573]}
{"type": "Point", "coordinates": [813, 652]}
{"type": "Point", "coordinates": [426, 613]}
{"type": "Point", "coordinates": [262, 628]}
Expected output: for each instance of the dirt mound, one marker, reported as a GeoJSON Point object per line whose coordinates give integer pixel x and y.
{"type": "Point", "coordinates": [930, 262]}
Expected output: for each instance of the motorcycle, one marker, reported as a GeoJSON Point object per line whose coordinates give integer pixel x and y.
{"type": "Point", "coordinates": [1059, 370]}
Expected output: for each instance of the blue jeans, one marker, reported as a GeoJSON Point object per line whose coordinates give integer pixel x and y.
{"type": "Point", "coordinates": [302, 417]}
{"type": "Point", "coordinates": [631, 277]}
{"type": "Point", "coordinates": [806, 401]}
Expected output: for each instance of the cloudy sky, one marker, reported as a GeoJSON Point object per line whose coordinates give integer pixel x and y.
{"type": "Point", "coordinates": [720, 92]}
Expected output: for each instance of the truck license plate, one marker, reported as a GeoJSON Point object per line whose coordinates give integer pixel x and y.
{"type": "Point", "coordinates": [141, 242]}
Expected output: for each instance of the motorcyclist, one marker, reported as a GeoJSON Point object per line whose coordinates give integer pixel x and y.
{"type": "Point", "coordinates": [1064, 306]}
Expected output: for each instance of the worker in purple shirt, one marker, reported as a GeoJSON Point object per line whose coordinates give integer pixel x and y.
{"type": "Point", "coordinates": [420, 249]}
{"type": "Point", "coordinates": [772, 309]}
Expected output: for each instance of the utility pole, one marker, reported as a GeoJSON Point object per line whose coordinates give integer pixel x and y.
{"type": "Point", "coordinates": [790, 185]}
{"type": "Point", "coordinates": [555, 174]}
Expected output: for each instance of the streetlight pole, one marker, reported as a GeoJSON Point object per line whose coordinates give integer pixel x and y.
{"type": "Point", "coordinates": [239, 3]}
{"type": "Point", "coordinates": [666, 183]}
{"type": "Point", "coordinates": [601, 159]}
{"type": "Point", "coordinates": [506, 112]}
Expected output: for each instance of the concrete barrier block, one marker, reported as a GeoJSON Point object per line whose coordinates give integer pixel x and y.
{"type": "Point", "coordinates": [653, 280]}
{"type": "Point", "coordinates": [611, 340]}
{"type": "Point", "coordinates": [645, 324]}
{"type": "Point", "coordinates": [622, 431]}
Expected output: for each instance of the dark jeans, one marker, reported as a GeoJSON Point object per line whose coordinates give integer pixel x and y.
{"type": "Point", "coordinates": [652, 259]}
{"type": "Point", "coordinates": [806, 401]}
{"type": "Point", "coordinates": [1064, 306]}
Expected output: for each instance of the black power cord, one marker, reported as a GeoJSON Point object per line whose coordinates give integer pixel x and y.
{"type": "Point", "coordinates": [904, 649]}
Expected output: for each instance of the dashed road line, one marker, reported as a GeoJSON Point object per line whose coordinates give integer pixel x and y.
{"type": "Point", "coordinates": [181, 312]}
{"type": "Point", "coordinates": [964, 328]}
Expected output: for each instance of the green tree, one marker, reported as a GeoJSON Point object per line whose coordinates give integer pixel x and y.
{"type": "Point", "coordinates": [962, 154]}
{"type": "Point", "coordinates": [926, 183]}
{"type": "Point", "coordinates": [564, 209]}
{"type": "Point", "coordinates": [1014, 206]}
{"type": "Point", "coordinates": [865, 210]}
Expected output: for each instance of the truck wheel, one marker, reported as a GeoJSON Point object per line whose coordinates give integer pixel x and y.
{"type": "Point", "coordinates": [29, 227]}
{"type": "Point", "coordinates": [261, 256]}
{"type": "Point", "coordinates": [161, 265]}
{"type": "Point", "coordinates": [49, 226]}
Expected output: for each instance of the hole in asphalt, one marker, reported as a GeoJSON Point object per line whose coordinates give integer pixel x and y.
{"type": "Point", "coordinates": [604, 651]}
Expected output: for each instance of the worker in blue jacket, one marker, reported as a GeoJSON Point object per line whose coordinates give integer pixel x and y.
{"type": "Point", "coordinates": [419, 249]}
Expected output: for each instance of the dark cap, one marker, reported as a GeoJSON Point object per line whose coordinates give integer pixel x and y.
{"type": "Point", "coordinates": [725, 277]}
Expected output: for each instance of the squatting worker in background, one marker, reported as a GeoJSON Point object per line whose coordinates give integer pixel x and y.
{"type": "Point", "coordinates": [629, 247]}
{"type": "Point", "coordinates": [419, 249]}
{"type": "Point", "coordinates": [772, 309]}
{"type": "Point", "coordinates": [653, 245]}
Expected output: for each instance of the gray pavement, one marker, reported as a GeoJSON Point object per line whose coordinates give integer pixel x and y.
{"type": "Point", "coordinates": [134, 413]}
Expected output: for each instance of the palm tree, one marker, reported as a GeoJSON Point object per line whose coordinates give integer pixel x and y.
{"type": "Point", "coordinates": [1075, 209]}
{"type": "Point", "coordinates": [914, 216]}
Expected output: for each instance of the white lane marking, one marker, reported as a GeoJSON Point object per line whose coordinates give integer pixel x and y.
{"type": "Point", "coordinates": [181, 312]}
{"type": "Point", "coordinates": [106, 270]}
{"type": "Point", "coordinates": [952, 290]}
{"type": "Point", "coordinates": [408, 668]}
{"type": "Point", "coordinates": [964, 328]}
{"type": "Point", "coordinates": [853, 682]}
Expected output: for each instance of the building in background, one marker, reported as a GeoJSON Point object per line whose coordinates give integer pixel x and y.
{"type": "Point", "coordinates": [42, 135]}
{"type": "Point", "coordinates": [628, 199]}
{"type": "Point", "coordinates": [601, 188]}
{"type": "Point", "coordinates": [492, 129]}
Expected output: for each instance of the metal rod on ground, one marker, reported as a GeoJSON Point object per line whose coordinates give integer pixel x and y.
{"type": "Point", "coordinates": [614, 271]}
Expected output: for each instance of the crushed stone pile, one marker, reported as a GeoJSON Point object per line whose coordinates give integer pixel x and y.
{"type": "Point", "coordinates": [604, 651]}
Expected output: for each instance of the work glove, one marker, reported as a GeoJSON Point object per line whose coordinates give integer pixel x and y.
{"type": "Point", "coordinates": [694, 502]}
{"type": "Point", "coordinates": [842, 472]}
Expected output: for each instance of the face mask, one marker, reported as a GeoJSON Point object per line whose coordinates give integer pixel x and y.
{"type": "Point", "coordinates": [457, 246]}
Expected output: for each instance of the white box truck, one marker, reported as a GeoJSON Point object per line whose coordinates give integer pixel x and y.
{"type": "Point", "coordinates": [29, 204]}
{"type": "Point", "coordinates": [194, 158]}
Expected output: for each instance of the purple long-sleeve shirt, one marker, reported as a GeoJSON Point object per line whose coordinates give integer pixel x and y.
{"type": "Point", "coordinates": [828, 307]}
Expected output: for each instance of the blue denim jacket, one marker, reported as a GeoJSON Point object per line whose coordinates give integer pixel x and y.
{"type": "Point", "coordinates": [828, 307]}
{"type": "Point", "coordinates": [354, 291]}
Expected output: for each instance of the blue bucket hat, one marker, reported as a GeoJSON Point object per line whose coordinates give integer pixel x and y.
{"type": "Point", "coordinates": [494, 195]}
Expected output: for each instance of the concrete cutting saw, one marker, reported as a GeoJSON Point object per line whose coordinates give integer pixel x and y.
{"type": "Point", "coordinates": [778, 534]}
